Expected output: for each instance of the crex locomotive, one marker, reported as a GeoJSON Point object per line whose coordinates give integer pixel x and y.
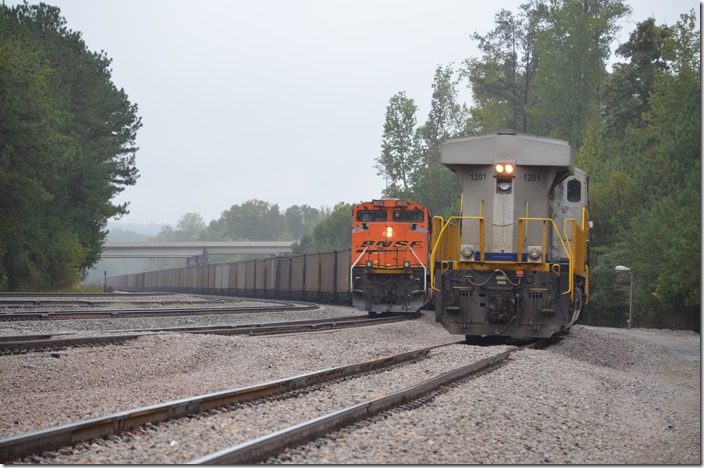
{"type": "Point", "coordinates": [515, 261]}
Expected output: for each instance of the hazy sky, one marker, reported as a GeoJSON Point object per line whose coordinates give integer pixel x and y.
{"type": "Point", "coordinates": [277, 100]}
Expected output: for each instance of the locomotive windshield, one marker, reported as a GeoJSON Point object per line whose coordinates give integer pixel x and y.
{"type": "Point", "coordinates": [373, 216]}
{"type": "Point", "coordinates": [411, 216]}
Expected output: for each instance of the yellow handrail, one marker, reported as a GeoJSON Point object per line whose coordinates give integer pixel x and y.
{"type": "Point", "coordinates": [455, 253]}
{"type": "Point", "coordinates": [564, 246]}
{"type": "Point", "coordinates": [443, 244]}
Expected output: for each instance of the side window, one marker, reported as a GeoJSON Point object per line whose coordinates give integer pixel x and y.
{"type": "Point", "coordinates": [574, 191]}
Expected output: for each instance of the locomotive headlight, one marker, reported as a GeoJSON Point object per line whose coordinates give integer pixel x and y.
{"type": "Point", "coordinates": [467, 251]}
{"type": "Point", "coordinates": [389, 231]}
{"type": "Point", "coordinates": [504, 169]}
{"type": "Point", "coordinates": [534, 253]}
{"type": "Point", "coordinates": [406, 264]}
{"type": "Point", "coordinates": [369, 264]}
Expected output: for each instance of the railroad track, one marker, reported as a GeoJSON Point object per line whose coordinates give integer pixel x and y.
{"type": "Point", "coordinates": [206, 412]}
{"type": "Point", "coordinates": [12, 314]}
{"type": "Point", "coordinates": [20, 344]}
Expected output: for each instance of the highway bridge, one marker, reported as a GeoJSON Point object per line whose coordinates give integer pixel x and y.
{"type": "Point", "coordinates": [196, 252]}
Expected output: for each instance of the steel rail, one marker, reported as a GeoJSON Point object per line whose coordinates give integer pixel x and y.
{"type": "Point", "coordinates": [36, 342]}
{"type": "Point", "coordinates": [81, 294]}
{"type": "Point", "coordinates": [147, 312]}
{"type": "Point", "coordinates": [15, 447]}
{"type": "Point", "coordinates": [260, 449]}
{"type": "Point", "coordinates": [14, 344]}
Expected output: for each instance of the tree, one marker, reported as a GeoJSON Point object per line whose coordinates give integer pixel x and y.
{"type": "Point", "coordinates": [433, 185]}
{"type": "Point", "coordinates": [299, 218]}
{"type": "Point", "coordinates": [333, 232]}
{"type": "Point", "coordinates": [252, 220]}
{"type": "Point", "coordinates": [400, 152]}
{"type": "Point", "coordinates": [669, 185]}
{"type": "Point", "coordinates": [645, 168]}
{"type": "Point", "coordinates": [627, 90]}
{"type": "Point", "coordinates": [66, 150]}
{"type": "Point", "coordinates": [447, 118]}
{"type": "Point", "coordinates": [502, 79]}
{"type": "Point", "coordinates": [190, 227]}
{"type": "Point", "coordinates": [573, 50]}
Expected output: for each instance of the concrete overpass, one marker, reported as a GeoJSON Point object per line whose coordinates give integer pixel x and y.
{"type": "Point", "coordinates": [196, 252]}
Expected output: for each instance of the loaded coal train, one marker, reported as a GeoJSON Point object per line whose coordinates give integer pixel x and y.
{"type": "Point", "coordinates": [321, 277]}
{"type": "Point", "coordinates": [513, 263]}
{"type": "Point", "coordinates": [385, 271]}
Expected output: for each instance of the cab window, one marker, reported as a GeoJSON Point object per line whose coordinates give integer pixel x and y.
{"type": "Point", "coordinates": [574, 191]}
{"type": "Point", "coordinates": [371, 216]}
{"type": "Point", "coordinates": [410, 216]}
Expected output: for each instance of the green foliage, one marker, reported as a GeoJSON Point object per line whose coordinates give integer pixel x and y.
{"type": "Point", "coordinates": [190, 227]}
{"type": "Point", "coordinates": [502, 78]}
{"type": "Point", "coordinates": [333, 232]}
{"type": "Point", "coordinates": [66, 150]}
{"type": "Point", "coordinates": [446, 118]}
{"type": "Point", "coordinates": [663, 234]}
{"type": "Point", "coordinates": [626, 91]}
{"type": "Point", "coordinates": [253, 220]}
{"type": "Point", "coordinates": [415, 172]}
{"type": "Point", "coordinates": [573, 50]}
{"type": "Point", "coordinates": [262, 221]}
{"type": "Point", "coordinates": [299, 219]}
{"type": "Point", "coordinates": [400, 149]}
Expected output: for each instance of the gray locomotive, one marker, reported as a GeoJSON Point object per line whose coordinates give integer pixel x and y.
{"type": "Point", "coordinates": [514, 262]}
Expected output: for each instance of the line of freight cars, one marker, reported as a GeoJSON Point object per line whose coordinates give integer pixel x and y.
{"type": "Point", "coordinates": [321, 277]}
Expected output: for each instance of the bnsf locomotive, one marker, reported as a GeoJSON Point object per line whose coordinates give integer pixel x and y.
{"type": "Point", "coordinates": [390, 247]}
{"type": "Point", "coordinates": [514, 262]}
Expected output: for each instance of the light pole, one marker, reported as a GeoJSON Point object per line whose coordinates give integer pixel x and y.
{"type": "Point", "coordinates": [630, 298]}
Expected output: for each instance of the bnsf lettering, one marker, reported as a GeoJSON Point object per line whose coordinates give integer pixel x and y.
{"type": "Point", "coordinates": [385, 244]}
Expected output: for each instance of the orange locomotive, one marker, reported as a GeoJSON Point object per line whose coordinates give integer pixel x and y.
{"type": "Point", "coordinates": [390, 250]}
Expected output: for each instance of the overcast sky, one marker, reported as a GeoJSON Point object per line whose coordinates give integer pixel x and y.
{"type": "Point", "coordinates": [277, 100]}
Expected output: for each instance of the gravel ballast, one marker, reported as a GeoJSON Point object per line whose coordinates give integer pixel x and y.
{"type": "Point", "coordinates": [598, 396]}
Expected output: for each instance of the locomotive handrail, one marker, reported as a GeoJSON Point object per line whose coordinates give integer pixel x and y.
{"type": "Point", "coordinates": [579, 234]}
{"type": "Point", "coordinates": [564, 231]}
{"type": "Point", "coordinates": [352, 267]}
{"type": "Point", "coordinates": [439, 237]}
{"type": "Point", "coordinates": [521, 221]}
{"type": "Point", "coordinates": [570, 289]}
{"type": "Point", "coordinates": [425, 269]}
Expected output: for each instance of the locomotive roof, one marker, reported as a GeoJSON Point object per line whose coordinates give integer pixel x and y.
{"type": "Point", "coordinates": [510, 146]}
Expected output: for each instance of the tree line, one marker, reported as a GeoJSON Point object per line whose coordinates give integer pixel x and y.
{"type": "Point", "coordinates": [67, 148]}
{"type": "Point", "coordinates": [543, 69]}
